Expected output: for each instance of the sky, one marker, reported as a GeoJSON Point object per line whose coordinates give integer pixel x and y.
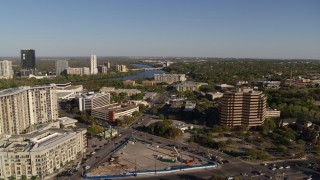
{"type": "Point", "coordinates": [188, 28]}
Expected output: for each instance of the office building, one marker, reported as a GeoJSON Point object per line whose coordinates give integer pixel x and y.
{"type": "Point", "coordinates": [26, 106]}
{"type": "Point", "coordinates": [113, 112]}
{"type": "Point", "coordinates": [243, 107]}
{"type": "Point", "coordinates": [169, 78]}
{"type": "Point", "coordinates": [68, 91]}
{"type": "Point", "coordinates": [28, 59]}
{"type": "Point", "coordinates": [91, 101]}
{"type": "Point", "coordinates": [41, 153]}
{"type": "Point", "coordinates": [27, 72]}
{"type": "Point", "coordinates": [148, 83]}
{"type": "Point", "coordinates": [6, 71]}
{"type": "Point", "coordinates": [93, 65]}
{"type": "Point", "coordinates": [61, 66]}
{"type": "Point", "coordinates": [272, 113]}
{"type": "Point", "coordinates": [121, 68]}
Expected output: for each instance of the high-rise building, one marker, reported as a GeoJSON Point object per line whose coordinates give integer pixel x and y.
{"type": "Point", "coordinates": [243, 107]}
{"type": "Point", "coordinates": [92, 101]}
{"type": "Point", "coordinates": [102, 69]}
{"type": "Point", "coordinates": [25, 106]}
{"type": "Point", "coordinates": [6, 71]}
{"type": "Point", "coordinates": [28, 59]}
{"type": "Point", "coordinates": [93, 65]}
{"type": "Point", "coordinates": [61, 66]}
{"type": "Point", "coordinates": [108, 65]}
{"type": "Point", "coordinates": [121, 68]}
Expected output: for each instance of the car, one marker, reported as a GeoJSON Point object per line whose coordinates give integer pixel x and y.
{"type": "Point", "coordinates": [93, 153]}
{"type": "Point", "coordinates": [287, 167]}
{"type": "Point", "coordinates": [87, 167]}
{"type": "Point", "coordinates": [273, 169]}
{"type": "Point", "coordinates": [280, 167]}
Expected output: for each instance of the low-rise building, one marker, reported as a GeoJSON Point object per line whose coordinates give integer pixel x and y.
{"type": "Point", "coordinates": [67, 122]}
{"type": "Point", "coordinates": [129, 92]}
{"type": "Point", "coordinates": [107, 89]}
{"type": "Point", "coordinates": [189, 106]}
{"type": "Point", "coordinates": [40, 154]}
{"type": "Point", "coordinates": [169, 78]}
{"type": "Point", "coordinates": [78, 71]}
{"type": "Point", "coordinates": [272, 113]}
{"type": "Point", "coordinates": [102, 69]}
{"type": "Point", "coordinates": [269, 84]}
{"type": "Point", "coordinates": [121, 68]}
{"type": "Point", "coordinates": [188, 86]}
{"type": "Point", "coordinates": [148, 83]}
{"type": "Point", "coordinates": [129, 83]}
{"type": "Point", "coordinates": [113, 112]}
{"type": "Point", "coordinates": [149, 95]}
{"type": "Point", "coordinates": [214, 95]}
{"type": "Point", "coordinates": [224, 87]}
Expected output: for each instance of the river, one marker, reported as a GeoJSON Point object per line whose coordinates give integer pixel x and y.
{"type": "Point", "coordinates": [144, 74]}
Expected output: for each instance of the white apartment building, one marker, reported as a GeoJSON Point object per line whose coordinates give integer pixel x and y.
{"type": "Point", "coordinates": [93, 65]}
{"type": "Point", "coordinates": [40, 153]}
{"type": "Point", "coordinates": [169, 78]}
{"type": "Point", "coordinates": [6, 71]}
{"type": "Point", "coordinates": [91, 101]}
{"type": "Point", "coordinates": [25, 106]}
{"type": "Point", "coordinates": [121, 68]}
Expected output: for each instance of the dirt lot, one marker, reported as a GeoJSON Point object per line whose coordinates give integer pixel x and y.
{"type": "Point", "coordinates": [138, 156]}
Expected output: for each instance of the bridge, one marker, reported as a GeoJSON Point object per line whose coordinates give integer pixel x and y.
{"type": "Point", "coordinates": [145, 69]}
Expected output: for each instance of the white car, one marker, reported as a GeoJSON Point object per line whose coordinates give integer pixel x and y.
{"type": "Point", "coordinates": [87, 167]}
{"type": "Point", "coordinates": [273, 169]}
{"type": "Point", "coordinates": [287, 167]}
{"type": "Point", "coordinates": [93, 153]}
{"type": "Point", "coordinates": [280, 167]}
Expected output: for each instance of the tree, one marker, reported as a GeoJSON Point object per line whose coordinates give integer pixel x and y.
{"type": "Point", "coordinates": [68, 107]}
{"type": "Point", "coordinates": [23, 177]}
{"type": "Point", "coordinates": [75, 110]}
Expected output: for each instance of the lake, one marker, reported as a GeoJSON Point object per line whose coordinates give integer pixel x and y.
{"type": "Point", "coordinates": [144, 74]}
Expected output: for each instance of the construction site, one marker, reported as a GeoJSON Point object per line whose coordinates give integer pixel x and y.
{"type": "Point", "coordinates": [137, 157]}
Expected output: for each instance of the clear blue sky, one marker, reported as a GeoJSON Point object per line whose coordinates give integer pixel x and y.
{"type": "Point", "coordinates": [207, 28]}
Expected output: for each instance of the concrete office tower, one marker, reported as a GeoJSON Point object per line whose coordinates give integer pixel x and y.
{"type": "Point", "coordinates": [108, 65]}
{"type": "Point", "coordinates": [6, 71]}
{"type": "Point", "coordinates": [28, 59]}
{"type": "Point", "coordinates": [25, 106]}
{"type": "Point", "coordinates": [243, 107]}
{"type": "Point", "coordinates": [93, 65]}
{"type": "Point", "coordinates": [61, 66]}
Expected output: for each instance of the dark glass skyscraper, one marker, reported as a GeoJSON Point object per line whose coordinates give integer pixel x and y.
{"type": "Point", "coordinates": [28, 59]}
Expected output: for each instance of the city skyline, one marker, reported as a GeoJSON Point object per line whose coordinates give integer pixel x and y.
{"type": "Point", "coordinates": [224, 29]}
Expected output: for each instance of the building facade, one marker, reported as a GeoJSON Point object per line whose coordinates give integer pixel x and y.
{"type": "Point", "coordinates": [78, 71]}
{"type": "Point", "coordinates": [92, 101]}
{"type": "Point", "coordinates": [243, 107]}
{"type": "Point", "coordinates": [121, 68]}
{"type": "Point", "coordinates": [25, 106]}
{"type": "Point", "coordinates": [41, 153]}
{"type": "Point", "coordinates": [102, 69]}
{"type": "Point", "coordinates": [93, 65]}
{"type": "Point", "coordinates": [6, 71]}
{"type": "Point", "coordinates": [169, 78]}
{"type": "Point", "coordinates": [28, 59]}
{"type": "Point", "coordinates": [188, 86]}
{"type": "Point", "coordinates": [61, 66]}
{"type": "Point", "coordinates": [113, 112]}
